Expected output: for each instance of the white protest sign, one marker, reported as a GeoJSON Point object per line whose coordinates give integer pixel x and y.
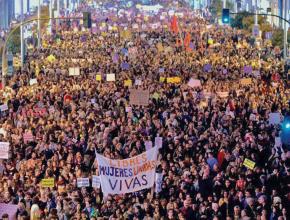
{"type": "Point", "coordinates": [135, 26]}
{"type": "Point", "coordinates": [274, 118]}
{"type": "Point", "coordinates": [96, 181]}
{"type": "Point", "coordinates": [158, 142]}
{"type": "Point", "coordinates": [223, 94]}
{"type": "Point", "coordinates": [83, 182]}
{"type": "Point", "coordinates": [138, 82]}
{"type": "Point", "coordinates": [110, 77]}
{"type": "Point", "coordinates": [3, 107]}
{"type": "Point", "coordinates": [278, 142]}
{"type": "Point", "coordinates": [32, 81]}
{"type": "Point", "coordinates": [129, 175]}
{"type": "Point", "coordinates": [74, 71]}
{"type": "Point", "coordinates": [4, 149]}
{"type": "Point", "coordinates": [158, 182]}
{"type": "Point", "coordinates": [194, 83]}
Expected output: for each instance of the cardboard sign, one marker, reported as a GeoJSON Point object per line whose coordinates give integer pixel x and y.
{"type": "Point", "coordinates": [222, 94]}
{"type": "Point", "coordinates": [99, 77]}
{"type": "Point", "coordinates": [27, 137]}
{"type": "Point", "coordinates": [139, 97]}
{"type": "Point", "coordinates": [158, 142]}
{"type": "Point", "coordinates": [49, 182]}
{"type": "Point", "coordinates": [207, 67]}
{"type": "Point", "coordinates": [248, 69]}
{"type": "Point", "coordinates": [161, 70]}
{"type": "Point", "coordinates": [74, 71]}
{"type": "Point", "coordinates": [83, 182]}
{"type": "Point", "coordinates": [138, 82]}
{"type": "Point", "coordinates": [125, 66]}
{"type": "Point", "coordinates": [274, 118]}
{"type": "Point", "coordinates": [128, 82]}
{"type": "Point", "coordinates": [110, 77]}
{"type": "Point", "coordinates": [9, 209]}
{"type": "Point", "coordinates": [174, 80]}
{"type": "Point", "coordinates": [158, 182]}
{"type": "Point", "coordinates": [194, 83]}
{"type": "Point", "coordinates": [32, 82]}
{"type": "Point", "coordinates": [156, 95]}
{"type": "Point", "coordinates": [162, 79]}
{"type": "Point", "coordinates": [96, 181]}
{"type": "Point", "coordinates": [4, 150]}
{"type": "Point", "coordinates": [3, 107]}
{"type": "Point", "coordinates": [246, 81]}
{"type": "Point", "coordinates": [249, 164]}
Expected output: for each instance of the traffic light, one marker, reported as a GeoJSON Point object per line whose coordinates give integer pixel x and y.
{"type": "Point", "coordinates": [226, 16]}
{"type": "Point", "coordinates": [285, 133]}
{"type": "Point", "coordinates": [87, 20]}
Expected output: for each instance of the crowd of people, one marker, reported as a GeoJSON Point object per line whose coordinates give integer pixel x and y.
{"type": "Point", "coordinates": [55, 126]}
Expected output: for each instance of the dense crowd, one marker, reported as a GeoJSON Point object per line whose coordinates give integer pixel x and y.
{"type": "Point", "coordinates": [206, 137]}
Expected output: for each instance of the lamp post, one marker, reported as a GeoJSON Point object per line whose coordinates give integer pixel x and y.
{"type": "Point", "coordinates": [38, 27]}
{"type": "Point", "coordinates": [21, 36]}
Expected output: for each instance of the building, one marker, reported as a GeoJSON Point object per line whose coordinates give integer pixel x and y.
{"type": "Point", "coordinates": [7, 12]}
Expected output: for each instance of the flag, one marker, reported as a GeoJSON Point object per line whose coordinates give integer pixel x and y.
{"type": "Point", "coordinates": [187, 40]}
{"type": "Point", "coordinates": [174, 25]}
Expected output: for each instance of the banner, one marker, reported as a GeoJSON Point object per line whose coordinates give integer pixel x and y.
{"type": "Point", "coordinates": [4, 149]}
{"type": "Point", "coordinates": [8, 209]}
{"type": "Point", "coordinates": [129, 175]}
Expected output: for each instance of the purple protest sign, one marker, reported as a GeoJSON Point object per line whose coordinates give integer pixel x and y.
{"type": "Point", "coordinates": [83, 38]}
{"type": "Point", "coordinates": [225, 71]}
{"type": "Point", "coordinates": [124, 51]}
{"type": "Point", "coordinates": [94, 30]}
{"type": "Point", "coordinates": [161, 70]}
{"type": "Point", "coordinates": [207, 67]}
{"type": "Point", "coordinates": [191, 46]}
{"type": "Point", "coordinates": [125, 66]}
{"type": "Point", "coordinates": [115, 58]}
{"type": "Point", "coordinates": [248, 69]}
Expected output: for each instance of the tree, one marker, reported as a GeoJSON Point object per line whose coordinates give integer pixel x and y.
{"type": "Point", "coordinates": [14, 44]}
{"type": "Point", "coordinates": [217, 6]}
{"type": "Point", "coordinates": [237, 21]}
{"type": "Point", "coordinates": [278, 37]}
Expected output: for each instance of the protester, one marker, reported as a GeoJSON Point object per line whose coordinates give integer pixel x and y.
{"type": "Point", "coordinates": [55, 126]}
